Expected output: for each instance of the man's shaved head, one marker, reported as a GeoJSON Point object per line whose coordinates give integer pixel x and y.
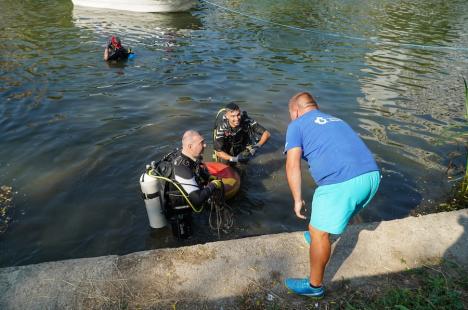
{"type": "Point", "coordinates": [302, 100]}
{"type": "Point", "coordinates": [190, 136]}
{"type": "Point", "coordinates": [301, 103]}
{"type": "Point", "coordinates": [193, 144]}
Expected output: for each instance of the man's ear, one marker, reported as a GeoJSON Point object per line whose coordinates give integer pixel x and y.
{"type": "Point", "coordinates": [296, 113]}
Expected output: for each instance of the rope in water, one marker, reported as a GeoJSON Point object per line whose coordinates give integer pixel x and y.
{"type": "Point", "coordinates": [337, 35]}
{"type": "Point", "coordinates": [221, 213]}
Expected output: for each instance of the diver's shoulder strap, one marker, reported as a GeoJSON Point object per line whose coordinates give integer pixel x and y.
{"type": "Point", "coordinates": [218, 115]}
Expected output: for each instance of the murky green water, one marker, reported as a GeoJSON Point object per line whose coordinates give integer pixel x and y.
{"type": "Point", "coordinates": [77, 133]}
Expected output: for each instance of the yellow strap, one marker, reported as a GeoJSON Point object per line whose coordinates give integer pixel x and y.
{"type": "Point", "coordinates": [221, 110]}
{"type": "Point", "coordinates": [215, 157]}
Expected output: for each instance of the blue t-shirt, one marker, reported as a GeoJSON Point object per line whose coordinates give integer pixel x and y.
{"type": "Point", "coordinates": [335, 153]}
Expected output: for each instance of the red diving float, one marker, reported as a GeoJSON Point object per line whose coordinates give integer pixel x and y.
{"type": "Point", "coordinates": [228, 175]}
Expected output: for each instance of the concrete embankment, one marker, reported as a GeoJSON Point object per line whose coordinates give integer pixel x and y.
{"type": "Point", "coordinates": [218, 275]}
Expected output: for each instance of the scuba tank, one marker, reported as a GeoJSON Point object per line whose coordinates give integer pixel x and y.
{"type": "Point", "coordinates": [152, 193]}
{"type": "Point", "coordinates": [165, 199]}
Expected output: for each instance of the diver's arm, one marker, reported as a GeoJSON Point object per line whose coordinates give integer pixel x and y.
{"type": "Point", "coordinates": [265, 136]}
{"type": "Point", "coordinates": [185, 177]}
{"type": "Point", "coordinates": [223, 155]}
{"type": "Point", "coordinates": [218, 145]}
{"type": "Point", "coordinates": [197, 198]}
{"type": "Point", "coordinates": [259, 131]}
{"type": "Point", "coordinates": [219, 142]}
{"type": "Point", "coordinates": [106, 54]}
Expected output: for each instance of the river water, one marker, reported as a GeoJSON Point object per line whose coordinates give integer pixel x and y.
{"type": "Point", "coordinates": [76, 132]}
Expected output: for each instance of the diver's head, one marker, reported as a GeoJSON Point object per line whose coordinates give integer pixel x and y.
{"type": "Point", "coordinates": [301, 103]}
{"type": "Point", "coordinates": [233, 114]}
{"type": "Point", "coordinates": [193, 144]}
{"type": "Point", "coordinates": [116, 43]}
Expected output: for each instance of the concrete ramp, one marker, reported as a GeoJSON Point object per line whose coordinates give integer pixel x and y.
{"type": "Point", "coordinates": [218, 274]}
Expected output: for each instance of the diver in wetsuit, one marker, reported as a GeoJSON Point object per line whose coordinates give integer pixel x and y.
{"type": "Point", "coordinates": [192, 175]}
{"type": "Point", "coordinates": [236, 136]}
{"type": "Point", "coordinates": [114, 50]}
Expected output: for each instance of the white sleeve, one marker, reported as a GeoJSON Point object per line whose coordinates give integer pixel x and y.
{"type": "Point", "coordinates": [189, 185]}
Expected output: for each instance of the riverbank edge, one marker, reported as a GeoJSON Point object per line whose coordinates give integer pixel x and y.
{"type": "Point", "coordinates": [221, 274]}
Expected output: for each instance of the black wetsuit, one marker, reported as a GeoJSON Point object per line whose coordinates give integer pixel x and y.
{"type": "Point", "coordinates": [234, 140]}
{"type": "Point", "coordinates": [118, 54]}
{"type": "Point", "coordinates": [193, 177]}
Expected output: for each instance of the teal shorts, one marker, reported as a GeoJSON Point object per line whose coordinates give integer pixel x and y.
{"type": "Point", "coordinates": [335, 204]}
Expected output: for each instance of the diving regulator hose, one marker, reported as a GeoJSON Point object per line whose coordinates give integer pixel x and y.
{"type": "Point", "coordinates": [177, 185]}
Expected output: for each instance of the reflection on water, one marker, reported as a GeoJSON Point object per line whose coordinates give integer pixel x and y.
{"type": "Point", "coordinates": [399, 85]}
{"type": "Point", "coordinates": [132, 24]}
{"type": "Point", "coordinates": [76, 133]}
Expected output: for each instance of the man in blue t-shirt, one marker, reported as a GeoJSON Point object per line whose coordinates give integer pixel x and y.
{"type": "Point", "coordinates": [344, 170]}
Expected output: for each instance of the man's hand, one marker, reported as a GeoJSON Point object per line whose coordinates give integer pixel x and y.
{"type": "Point", "coordinates": [298, 207]}
{"type": "Point", "coordinates": [217, 184]}
{"type": "Point", "coordinates": [254, 148]}
{"type": "Point", "coordinates": [241, 158]}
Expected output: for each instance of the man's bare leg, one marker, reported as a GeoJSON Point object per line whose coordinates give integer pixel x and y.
{"type": "Point", "coordinates": [319, 254]}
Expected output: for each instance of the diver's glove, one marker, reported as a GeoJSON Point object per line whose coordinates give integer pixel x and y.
{"type": "Point", "coordinates": [215, 185]}
{"type": "Point", "coordinates": [241, 158]}
{"type": "Point", "coordinates": [254, 148]}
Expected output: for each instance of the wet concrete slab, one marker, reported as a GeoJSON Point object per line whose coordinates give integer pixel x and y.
{"type": "Point", "coordinates": [217, 275]}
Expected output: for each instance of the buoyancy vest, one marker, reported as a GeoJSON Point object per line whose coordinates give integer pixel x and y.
{"type": "Point", "coordinates": [173, 192]}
